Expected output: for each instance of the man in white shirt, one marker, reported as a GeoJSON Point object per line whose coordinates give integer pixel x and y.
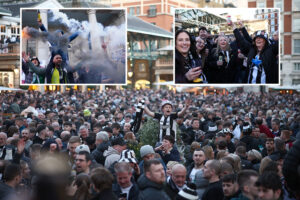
{"type": "Point", "coordinates": [125, 188]}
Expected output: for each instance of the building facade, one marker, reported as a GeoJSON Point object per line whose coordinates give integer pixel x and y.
{"type": "Point", "coordinates": [272, 15]}
{"type": "Point", "coordinates": [157, 12]}
{"type": "Point", "coordinates": [9, 49]}
{"type": "Point", "coordinates": [289, 37]}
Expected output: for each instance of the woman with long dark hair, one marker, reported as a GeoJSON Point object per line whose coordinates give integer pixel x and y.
{"type": "Point", "coordinates": [188, 66]}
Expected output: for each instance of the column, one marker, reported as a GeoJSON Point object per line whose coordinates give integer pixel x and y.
{"type": "Point", "coordinates": [43, 52]}
{"type": "Point", "coordinates": [95, 37]}
{"type": "Point", "coordinates": [157, 80]}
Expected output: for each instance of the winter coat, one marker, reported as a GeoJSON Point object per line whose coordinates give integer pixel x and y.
{"type": "Point", "coordinates": [111, 155]}
{"type": "Point", "coordinates": [224, 73]}
{"type": "Point", "coordinates": [133, 192]}
{"type": "Point", "coordinates": [268, 57]}
{"type": "Point", "coordinates": [150, 190]}
{"type": "Point", "coordinates": [173, 155]}
{"type": "Point", "coordinates": [171, 189]}
{"type": "Point", "coordinates": [106, 194]}
{"type": "Point", "coordinates": [98, 152]}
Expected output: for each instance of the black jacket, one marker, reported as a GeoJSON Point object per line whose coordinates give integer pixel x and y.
{"type": "Point", "coordinates": [213, 191]}
{"type": "Point", "coordinates": [98, 152]}
{"type": "Point", "coordinates": [133, 192]}
{"type": "Point", "coordinates": [150, 190]}
{"type": "Point", "coordinates": [268, 57]}
{"type": "Point", "coordinates": [171, 189]}
{"type": "Point", "coordinates": [221, 74]}
{"type": "Point", "coordinates": [105, 195]}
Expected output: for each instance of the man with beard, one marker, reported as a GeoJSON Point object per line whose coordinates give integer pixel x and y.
{"type": "Point", "coordinates": [269, 147]}
{"type": "Point", "coordinates": [151, 183]}
{"type": "Point", "coordinates": [230, 186]}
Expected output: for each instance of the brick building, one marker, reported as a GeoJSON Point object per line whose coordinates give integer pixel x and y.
{"type": "Point", "coordinates": [289, 37]}
{"type": "Point", "coordinates": [272, 15]}
{"type": "Point", "coordinates": [157, 12]}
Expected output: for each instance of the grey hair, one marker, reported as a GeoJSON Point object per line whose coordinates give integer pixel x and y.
{"type": "Point", "coordinates": [102, 135]}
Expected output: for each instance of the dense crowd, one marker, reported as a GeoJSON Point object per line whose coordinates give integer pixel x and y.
{"type": "Point", "coordinates": [83, 146]}
{"type": "Point", "coordinates": [235, 58]}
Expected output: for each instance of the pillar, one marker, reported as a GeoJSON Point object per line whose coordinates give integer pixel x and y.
{"type": "Point", "coordinates": [43, 52]}
{"type": "Point", "coordinates": [95, 37]}
{"type": "Point", "coordinates": [157, 80]}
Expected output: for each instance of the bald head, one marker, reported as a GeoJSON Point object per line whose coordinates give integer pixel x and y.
{"type": "Point", "coordinates": [179, 175]}
{"type": "Point", "coordinates": [3, 138]}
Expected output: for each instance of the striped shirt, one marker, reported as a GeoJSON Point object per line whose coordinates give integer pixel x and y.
{"type": "Point", "coordinates": [167, 125]}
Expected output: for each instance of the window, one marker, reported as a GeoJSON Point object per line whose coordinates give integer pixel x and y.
{"type": "Point", "coordinates": [152, 11]}
{"type": "Point", "coordinates": [296, 5]}
{"type": "Point", "coordinates": [272, 15]}
{"type": "Point", "coordinates": [259, 17]}
{"type": "Point", "coordinates": [142, 67]}
{"type": "Point", "coordinates": [266, 16]}
{"type": "Point", "coordinates": [261, 5]}
{"type": "Point", "coordinates": [296, 82]}
{"type": "Point", "coordinates": [296, 23]}
{"type": "Point", "coordinates": [131, 11]}
{"type": "Point", "coordinates": [297, 66]}
{"type": "Point", "coordinates": [278, 4]}
{"type": "Point", "coordinates": [281, 66]}
{"type": "Point", "coordinates": [3, 29]}
{"type": "Point", "coordinates": [138, 10]}
{"type": "Point", "coordinates": [297, 46]}
{"type": "Point", "coordinates": [172, 10]}
{"type": "Point", "coordinates": [272, 29]}
{"type": "Point", "coordinates": [273, 22]}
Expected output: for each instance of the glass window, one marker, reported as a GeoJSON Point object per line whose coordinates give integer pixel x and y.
{"type": "Point", "coordinates": [138, 10]}
{"type": "Point", "coordinates": [272, 29]}
{"type": "Point", "coordinates": [266, 16]}
{"type": "Point", "coordinates": [278, 4]}
{"type": "Point", "coordinates": [131, 11]}
{"type": "Point", "coordinates": [273, 22]}
{"type": "Point", "coordinates": [259, 17]}
{"type": "Point", "coordinates": [272, 15]}
{"type": "Point", "coordinates": [152, 11]}
{"type": "Point", "coordinates": [142, 67]}
{"type": "Point", "coordinates": [296, 24]}
{"type": "Point", "coordinates": [296, 45]}
{"type": "Point", "coordinates": [261, 5]}
{"type": "Point", "coordinates": [296, 82]}
{"type": "Point", "coordinates": [3, 29]}
{"type": "Point", "coordinates": [297, 66]}
{"type": "Point", "coordinates": [296, 5]}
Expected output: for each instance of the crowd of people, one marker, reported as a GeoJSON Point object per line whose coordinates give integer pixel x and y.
{"type": "Point", "coordinates": [206, 58]}
{"type": "Point", "coordinates": [81, 146]}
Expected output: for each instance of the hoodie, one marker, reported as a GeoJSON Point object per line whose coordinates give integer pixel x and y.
{"type": "Point", "coordinates": [112, 155]}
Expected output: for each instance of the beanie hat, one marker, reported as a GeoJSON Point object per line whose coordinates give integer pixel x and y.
{"type": "Point", "coordinates": [87, 113]}
{"type": "Point", "coordinates": [128, 156]}
{"type": "Point", "coordinates": [261, 34]}
{"type": "Point", "coordinates": [146, 149]}
{"type": "Point", "coordinates": [81, 148]}
{"type": "Point", "coordinates": [188, 193]}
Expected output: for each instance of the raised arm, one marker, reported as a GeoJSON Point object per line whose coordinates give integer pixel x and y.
{"type": "Point", "coordinates": [186, 106]}
{"type": "Point", "coordinates": [149, 112]}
